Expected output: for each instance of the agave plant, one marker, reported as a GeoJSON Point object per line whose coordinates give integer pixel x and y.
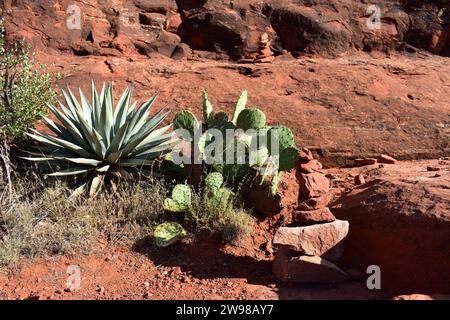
{"type": "Point", "coordinates": [94, 140]}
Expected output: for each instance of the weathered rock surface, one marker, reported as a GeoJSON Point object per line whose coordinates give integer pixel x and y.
{"type": "Point", "coordinates": [313, 184]}
{"type": "Point", "coordinates": [314, 240]}
{"type": "Point", "coordinates": [328, 28]}
{"type": "Point", "coordinates": [313, 216]}
{"type": "Point", "coordinates": [400, 221]}
{"type": "Point", "coordinates": [306, 269]}
{"type": "Point", "coordinates": [315, 203]}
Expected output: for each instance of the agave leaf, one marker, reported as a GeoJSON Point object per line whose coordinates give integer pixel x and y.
{"type": "Point", "coordinates": [84, 161]}
{"type": "Point", "coordinates": [45, 138]}
{"type": "Point", "coordinates": [57, 129]}
{"type": "Point", "coordinates": [118, 139]}
{"type": "Point", "coordinates": [87, 109]}
{"type": "Point", "coordinates": [114, 157]}
{"type": "Point", "coordinates": [70, 126]}
{"type": "Point", "coordinates": [131, 110]}
{"type": "Point", "coordinates": [106, 116]}
{"type": "Point", "coordinates": [155, 133]}
{"type": "Point", "coordinates": [92, 136]}
{"type": "Point", "coordinates": [71, 112]}
{"type": "Point", "coordinates": [151, 143]}
{"type": "Point", "coordinates": [96, 185]}
{"type": "Point", "coordinates": [74, 100]}
{"type": "Point", "coordinates": [240, 105]}
{"type": "Point", "coordinates": [104, 168]}
{"type": "Point", "coordinates": [137, 162]}
{"type": "Point", "coordinates": [38, 159]}
{"type": "Point", "coordinates": [120, 114]}
{"type": "Point", "coordinates": [70, 172]}
{"type": "Point", "coordinates": [138, 117]}
{"type": "Point", "coordinates": [142, 134]}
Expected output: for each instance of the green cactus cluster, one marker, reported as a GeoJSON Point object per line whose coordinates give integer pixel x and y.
{"type": "Point", "coordinates": [180, 200]}
{"type": "Point", "coordinates": [213, 182]}
{"type": "Point", "coordinates": [243, 118]}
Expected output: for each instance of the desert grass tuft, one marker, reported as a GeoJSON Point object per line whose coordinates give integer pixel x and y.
{"type": "Point", "coordinates": [44, 221]}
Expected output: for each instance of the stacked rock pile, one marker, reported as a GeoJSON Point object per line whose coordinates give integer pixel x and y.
{"type": "Point", "coordinates": [307, 248]}
{"type": "Point", "coordinates": [264, 54]}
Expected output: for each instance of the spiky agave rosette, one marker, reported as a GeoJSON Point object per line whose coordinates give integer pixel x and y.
{"type": "Point", "coordinates": [94, 140]}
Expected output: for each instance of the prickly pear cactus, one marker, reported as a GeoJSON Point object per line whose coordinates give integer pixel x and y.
{"type": "Point", "coordinates": [185, 120]}
{"type": "Point", "coordinates": [181, 199]}
{"type": "Point", "coordinates": [285, 137]}
{"type": "Point", "coordinates": [213, 182]}
{"type": "Point", "coordinates": [168, 233]}
{"type": "Point", "coordinates": [240, 105]}
{"type": "Point", "coordinates": [207, 108]}
{"type": "Point", "coordinates": [288, 159]}
{"type": "Point", "coordinates": [219, 121]}
{"type": "Point", "coordinates": [251, 119]}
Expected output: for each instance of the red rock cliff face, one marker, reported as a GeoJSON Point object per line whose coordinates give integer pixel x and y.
{"type": "Point", "coordinates": [354, 105]}
{"type": "Point", "coordinates": [232, 28]}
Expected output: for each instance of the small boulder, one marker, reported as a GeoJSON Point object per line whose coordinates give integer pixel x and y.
{"type": "Point", "coordinates": [305, 155]}
{"type": "Point", "coordinates": [386, 159]}
{"type": "Point", "coordinates": [313, 216]}
{"type": "Point", "coordinates": [365, 162]}
{"type": "Point", "coordinates": [313, 184]}
{"type": "Point", "coordinates": [315, 203]}
{"type": "Point", "coordinates": [314, 240]}
{"type": "Point", "coordinates": [181, 51]}
{"type": "Point", "coordinates": [306, 269]}
{"type": "Point", "coordinates": [359, 180]}
{"type": "Point", "coordinates": [310, 166]}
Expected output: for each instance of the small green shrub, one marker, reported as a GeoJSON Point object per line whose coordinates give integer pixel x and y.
{"type": "Point", "coordinates": [213, 208]}
{"type": "Point", "coordinates": [26, 88]}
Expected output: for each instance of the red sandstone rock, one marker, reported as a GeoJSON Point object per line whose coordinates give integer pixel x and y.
{"type": "Point", "coordinates": [359, 180]}
{"type": "Point", "coordinates": [181, 51]}
{"type": "Point", "coordinates": [365, 162]}
{"type": "Point", "coordinates": [400, 221]}
{"type": "Point", "coordinates": [310, 166]}
{"type": "Point", "coordinates": [315, 203]}
{"type": "Point", "coordinates": [305, 155]}
{"type": "Point", "coordinates": [312, 240]}
{"type": "Point", "coordinates": [386, 159]}
{"type": "Point", "coordinates": [313, 184]}
{"type": "Point", "coordinates": [306, 269]}
{"type": "Point", "coordinates": [313, 216]}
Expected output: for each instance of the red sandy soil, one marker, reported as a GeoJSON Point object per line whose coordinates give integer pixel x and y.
{"type": "Point", "coordinates": [185, 271]}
